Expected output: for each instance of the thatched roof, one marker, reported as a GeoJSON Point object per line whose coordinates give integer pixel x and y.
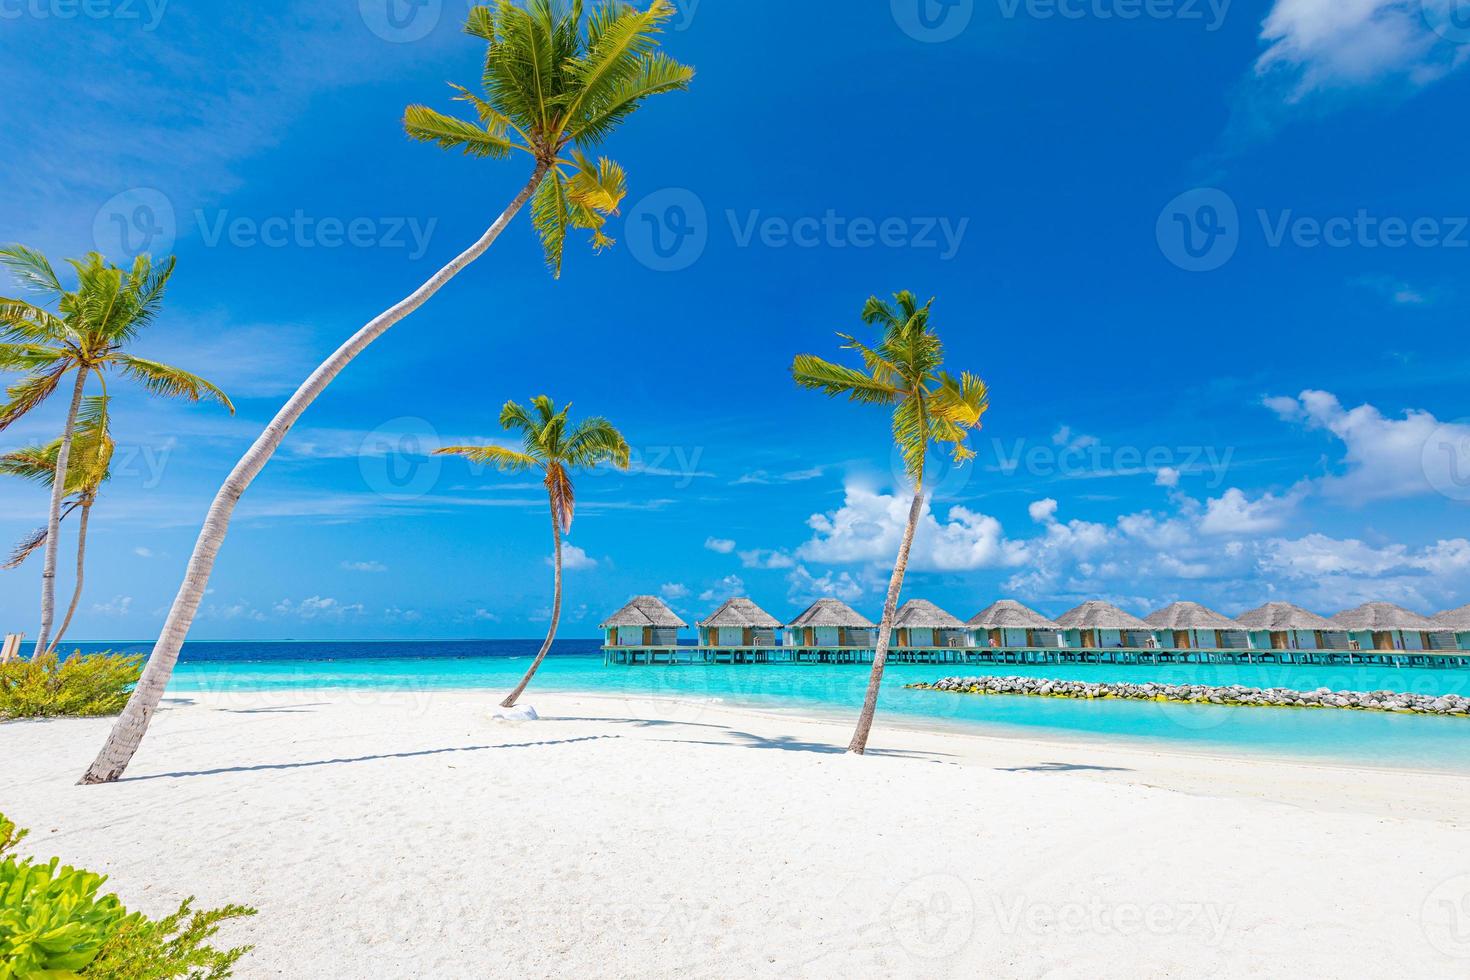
{"type": "Point", "coordinates": [644, 610]}
{"type": "Point", "coordinates": [831, 612]}
{"type": "Point", "coordinates": [1098, 615]}
{"type": "Point", "coordinates": [1383, 616]}
{"type": "Point", "coordinates": [1455, 619]}
{"type": "Point", "coordinates": [1189, 616]}
{"type": "Point", "coordinates": [1281, 616]}
{"type": "Point", "coordinates": [740, 612]}
{"type": "Point", "coordinates": [923, 614]}
{"type": "Point", "coordinates": [1010, 614]}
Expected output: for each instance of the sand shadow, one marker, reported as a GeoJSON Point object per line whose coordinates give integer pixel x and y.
{"type": "Point", "coordinates": [284, 766]}
{"type": "Point", "coordinates": [280, 709]}
{"type": "Point", "coordinates": [1063, 767]}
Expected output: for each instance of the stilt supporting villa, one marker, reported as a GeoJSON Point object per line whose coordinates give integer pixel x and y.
{"type": "Point", "coordinates": [646, 631]}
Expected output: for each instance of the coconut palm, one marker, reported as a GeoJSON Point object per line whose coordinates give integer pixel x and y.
{"type": "Point", "coordinates": [929, 406]}
{"type": "Point", "coordinates": [87, 470]}
{"type": "Point", "coordinates": [549, 445]}
{"type": "Point", "coordinates": [556, 83]}
{"type": "Point", "coordinates": [90, 333]}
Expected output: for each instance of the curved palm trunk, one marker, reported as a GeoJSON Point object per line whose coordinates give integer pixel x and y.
{"type": "Point", "coordinates": [53, 520]}
{"type": "Point", "coordinates": [859, 743]}
{"type": "Point", "coordinates": [128, 732]}
{"type": "Point", "coordinates": [76, 595]}
{"type": "Point", "coordinates": [513, 696]}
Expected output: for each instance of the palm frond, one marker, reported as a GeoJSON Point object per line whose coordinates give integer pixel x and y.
{"type": "Point", "coordinates": [595, 440]}
{"type": "Point", "coordinates": [810, 371]}
{"type": "Point", "coordinates": [551, 215]}
{"type": "Point", "coordinates": [657, 74]}
{"type": "Point", "coordinates": [27, 323]}
{"type": "Point", "coordinates": [164, 379]}
{"type": "Point", "coordinates": [32, 269]}
{"type": "Point", "coordinates": [450, 132]}
{"type": "Point", "coordinates": [515, 418]}
{"type": "Point", "coordinates": [563, 497]}
{"type": "Point", "coordinates": [25, 547]}
{"type": "Point", "coordinates": [30, 357]}
{"type": "Point", "coordinates": [506, 460]}
{"type": "Point", "coordinates": [30, 392]}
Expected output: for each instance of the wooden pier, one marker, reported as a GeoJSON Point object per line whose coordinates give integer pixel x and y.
{"type": "Point", "coordinates": [690, 654]}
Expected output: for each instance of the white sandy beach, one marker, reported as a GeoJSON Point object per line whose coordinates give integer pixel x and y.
{"type": "Point", "coordinates": [410, 835]}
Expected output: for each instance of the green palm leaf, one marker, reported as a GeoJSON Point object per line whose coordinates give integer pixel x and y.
{"type": "Point", "coordinates": [163, 379]}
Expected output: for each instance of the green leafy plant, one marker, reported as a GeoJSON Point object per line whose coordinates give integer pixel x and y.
{"type": "Point", "coordinates": [77, 687]}
{"type": "Point", "coordinates": [54, 922]}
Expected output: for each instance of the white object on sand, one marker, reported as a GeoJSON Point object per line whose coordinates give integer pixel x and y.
{"type": "Point", "coordinates": [521, 712]}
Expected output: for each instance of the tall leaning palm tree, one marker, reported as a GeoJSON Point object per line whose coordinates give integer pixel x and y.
{"type": "Point", "coordinates": [87, 470]}
{"type": "Point", "coordinates": [550, 445]}
{"type": "Point", "coordinates": [557, 82]}
{"type": "Point", "coordinates": [904, 371]}
{"type": "Point", "coordinates": [89, 334]}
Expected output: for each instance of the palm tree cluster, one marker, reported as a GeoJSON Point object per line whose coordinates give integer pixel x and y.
{"type": "Point", "coordinates": [88, 335]}
{"type": "Point", "coordinates": [559, 77]}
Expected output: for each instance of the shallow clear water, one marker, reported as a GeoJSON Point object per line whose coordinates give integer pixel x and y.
{"type": "Point", "coordinates": [1380, 739]}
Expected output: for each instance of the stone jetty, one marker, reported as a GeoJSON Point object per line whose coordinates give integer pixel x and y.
{"type": "Point", "coordinates": [1233, 694]}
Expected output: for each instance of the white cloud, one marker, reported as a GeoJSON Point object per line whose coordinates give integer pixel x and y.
{"type": "Point", "coordinates": [1383, 457]}
{"type": "Point", "coordinates": [804, 587]}
{"type": "Point", "coordinates": [573, 557]}
{"type": "Point", "coordinates": [486, 616]}
{"type": "Point", "coordinates": [317, 607]}
{"type": "Point", "coordinates": [1043, 511]}
{"type": "Point", "coordinates": [725, 588]}
{"type": "Point", "coordinates": [766, 558]}
{"type": "Point", "coordinates": [1167, 476]}
{"type": "Point", "coordinates": [1315, 45]}
{"type": "Point", "coordinates": [721, 546]}
{"type": "Point", "coordinates": [394, 615]}
{"type": "Point", "coordinates": [673, 590]}
{"type": "Point", "coordinates": [765, 477]}
{"type": "Point", "coordinates": [869, 527]}
{"type": "Point", "coordinates": [1234, 513]}
{"type": "Point", "coordinates": [119, 605]}
{"type": "Point", "coordinates": [143, 552]}
{"type": "Point", "coordinates": [364, 566]}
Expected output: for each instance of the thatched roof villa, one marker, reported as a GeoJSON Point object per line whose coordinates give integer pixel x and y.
{"type": "Point", "coordinates": [1385, 626]}
{"type": "Point", "coordinates": [1098, 625]}
{"type": "Point", "coordinates": [830, 623]}
{"type": "Point", "coordinates": [645, 621]}
{"type": "Point", "coordinates": [1009, 624]}
{"type": "Point", "coordinates": [920, 623]}
{"type": "Point", "coordinates": [1191, 626]}
{"type": "Point", "coordinates": [738, 622]}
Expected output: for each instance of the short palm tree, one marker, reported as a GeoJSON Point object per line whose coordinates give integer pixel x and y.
{"type": "Point", "coordinates": [550, 445]}
{"type": "Point", "coordinates": [557, 82]}
{"type": "Point", "coordinates": [89, 334]}
{"type": "Point", "coordinates": [904, 370]}
{"type": "Point", "coordinates": [87, 470]}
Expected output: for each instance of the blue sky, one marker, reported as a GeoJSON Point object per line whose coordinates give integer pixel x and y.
{"type": "Point", "coordinates": [1210, 259]}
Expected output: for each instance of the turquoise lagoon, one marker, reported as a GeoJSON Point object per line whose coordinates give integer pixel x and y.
{"type": "Point", "coordinates": [1319, 735]}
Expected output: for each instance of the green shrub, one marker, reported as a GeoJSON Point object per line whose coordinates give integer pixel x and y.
{"type": "Point", "coordinates": [77, 687]}
{"type": "Point", "coordinates": [53, 923]}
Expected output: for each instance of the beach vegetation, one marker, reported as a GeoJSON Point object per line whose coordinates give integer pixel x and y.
{"type": "Point", "coordinates": [904, 371]}
{"type": "Point", "coordinates": [553, 446]}
{"type": "Point", "coordinates": [55, 921]}
{"type": "Point", "coordinates": [559, 78]}
{"type": "Point", "coordinates": [78, 687]}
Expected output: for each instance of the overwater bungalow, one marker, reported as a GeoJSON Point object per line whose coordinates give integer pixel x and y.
{"type": "Point", "coordinates": [1098, 625]}
{"type": "Point", "coordinates": [830, 631]}
{"type": "Point", "coordinates": [1383, 626]}
{"type": "Point", "coordinates": [1008, 625]}
{"type": "Point", "coordinates": [1283, 626]}
{"type": "Point", "coordinates": [738, 632]}
{"type": "Point", "coordinates": [1457, 620]}
{"type": "Point", "coordinates": [1191, 626]}
{"type": "Point", "coordinates": [923, 631]}
{"type": "Point", "coordinates": [646, 628]}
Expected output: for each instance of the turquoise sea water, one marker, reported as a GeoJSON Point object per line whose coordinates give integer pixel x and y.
{"type": "Point", "coordinates": [1389, 740]}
